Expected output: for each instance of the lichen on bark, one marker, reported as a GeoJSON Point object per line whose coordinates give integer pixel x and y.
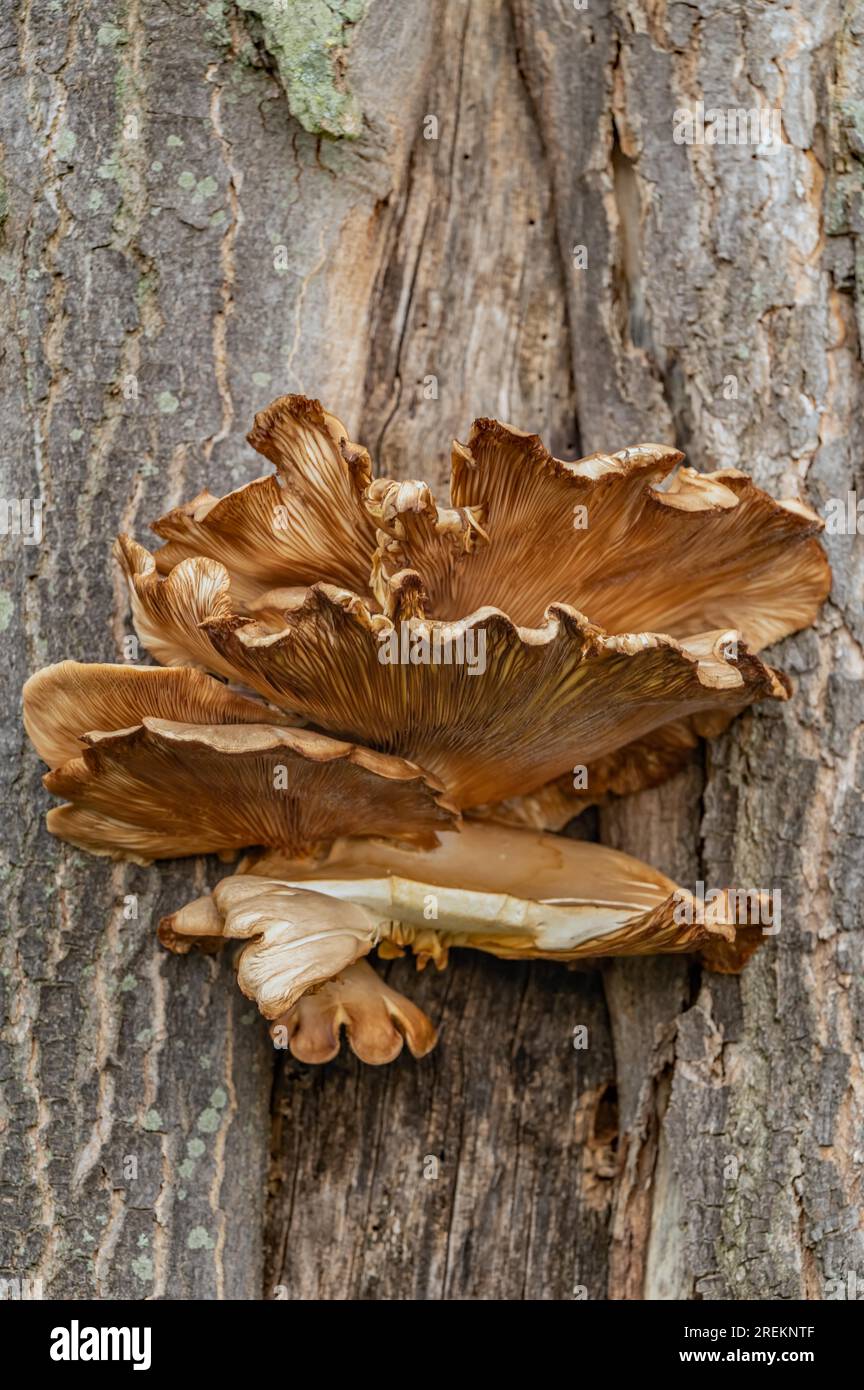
{"type": "Point", "coordinates": [308, 41]}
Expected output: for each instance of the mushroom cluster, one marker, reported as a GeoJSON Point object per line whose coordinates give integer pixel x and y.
{"type": "Point", "coordinates": [388, 704]}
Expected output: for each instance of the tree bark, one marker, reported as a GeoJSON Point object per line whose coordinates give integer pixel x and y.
{"type": "Point", "coordinates": [203, 207]}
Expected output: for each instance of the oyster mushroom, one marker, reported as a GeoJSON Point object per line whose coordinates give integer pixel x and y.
{"type": "Point", "coordinates": [305, 522]}
{"type": "Point", "coordinates": [639, 545]}
{"type": "Point", "coordinates": [629, 538]}
{"type": "Point", "coordinates": [149, 787]}
{"type": "Point", "coordinates": [601, 614]}
{"type": "Point", "coordinates": [513, 893]}
{"type": "Point", "coordinates": [537, 701]}
{"type": "Point", "coordinates": [303, 966]}
{"type": "Point", "coordinates": [492, 709]}
{"type": "Point", "coordinates": [63, 702]}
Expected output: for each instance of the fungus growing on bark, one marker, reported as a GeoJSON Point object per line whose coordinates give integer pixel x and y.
{"type": "Point", "coordinates": [513, 893]}
{"type": "Point", "coordinates": [636, 545]}
{"type": "Point", "coordinates": [304, 523]}
{"type": "Point", "coordinates": [148, 787]}
{"type": "Point", "coordinates": [599, 615]}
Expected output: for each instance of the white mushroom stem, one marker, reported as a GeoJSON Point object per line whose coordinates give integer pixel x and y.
{"type": "Point", "coordinates": [509, 891]}
{"type": "Point", "coordinates": [406, 911]}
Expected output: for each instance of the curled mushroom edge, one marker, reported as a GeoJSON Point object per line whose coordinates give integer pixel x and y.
{"type": "Point", "coordinates": [513, 893]}
{"type": "Point", "coordinates": [392, 799]}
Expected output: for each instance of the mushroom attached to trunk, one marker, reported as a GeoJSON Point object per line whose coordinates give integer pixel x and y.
{"type": "Point", "coordinates": [553, 617]}
{"type": "Point", "coordinates": [634, 547]}
{"type": "Point", "coordinates": [152, 787]}
{"type": "Point", "coordinates": [513, 893]}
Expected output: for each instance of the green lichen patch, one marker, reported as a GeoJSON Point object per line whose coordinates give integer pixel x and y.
{"type": "Point", "coordinates": [308, 41]}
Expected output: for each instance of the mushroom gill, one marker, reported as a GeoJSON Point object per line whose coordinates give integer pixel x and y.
{"type": "Point", "coordinates": [305, 522]}
{"type": "Point", "coordinates": [631, 539]}
{"type": "Point", "coordinates": [551, 618]}
{"type": "Point", "coordinates": [151, 785]}
{"type": "Point", "coordinates": [492, 709]}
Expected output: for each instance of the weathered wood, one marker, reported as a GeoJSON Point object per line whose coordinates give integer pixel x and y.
{"type": "Point", "coordinates": [177, 249]}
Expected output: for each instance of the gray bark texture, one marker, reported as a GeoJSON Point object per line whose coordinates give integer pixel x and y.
{"type": "Point", "coordinates": [206, 205]}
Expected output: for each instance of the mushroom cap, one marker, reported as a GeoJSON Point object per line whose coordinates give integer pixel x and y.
{"type": "Point", "coordinates": [70, 699]}
{"type": "Point", "coordinates": [628, 538]}
{"type": "Point", "coordinates": [514, 893]}
{"type": "Point", "coordinates": [145, 785]}
{"type": "Point", "coordinates": [303, 966]}
{"type": "Point", "coordinates": [532, 704]}
{"type": "Point", "coordinates": [482, 858]}
{"type": "Point", "coordinates": [298, 939]}
{"type": "Point", "coordinates": [307, 520]}
{"type": "Point", "coordinates": [645, 549]}
{"type": "Point", "coordinates": [377, 1020]}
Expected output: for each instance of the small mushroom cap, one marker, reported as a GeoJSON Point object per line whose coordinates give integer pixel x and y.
{"type": "Point", "coordinates": [64, 702]}
{"type": "Point", "coordinates": [630, 542]}
{"type": "Point", "coordinates": [377, 1020]}
{"type": "Point", "coordinates": [519, 894]}
{"type": "Point", "coordinates": [307, 522]}
{"type": "Point", "coordinates": [482, 858]}
{"type": "Point", "coordinates": [166, 789]}
{"type": "Point", "coordinates": [199, 924]}
{"type": "Point", "coordinates": [168, 613]}
{"type": "Point", "coordinates": [299, 939]}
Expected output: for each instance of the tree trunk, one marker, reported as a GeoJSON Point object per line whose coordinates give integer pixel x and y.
{"type": "Point", "coordinates": [204, 207]}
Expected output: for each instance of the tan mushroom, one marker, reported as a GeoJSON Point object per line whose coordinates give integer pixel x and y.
{"type": "Point", "coordinates": [553, 617]}
{"type": "Point", "coordinates": [66, 701]}
{"type": "Point", "coordinates": [492, 709]}
{"type": "Point", "coordinates": [377, 1020]}
{"type": "Point", "coordinates": [149, 787]}
{"type": "Point", "coordinates": [639, 546]}
{"type": "Point", "coordinates": [304, 967]}
{"type": "Point", "coordinates": [306, 522]}
{"type": "Point", "coordinates": [622, 540]}
{"type": "Point", "coordinates": [513, 893]}
{"type": "Point", "coordinates": [630, 539]}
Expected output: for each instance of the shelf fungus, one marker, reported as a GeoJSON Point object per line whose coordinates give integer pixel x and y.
{"type": "Point", "coordinates": [383, 700]}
